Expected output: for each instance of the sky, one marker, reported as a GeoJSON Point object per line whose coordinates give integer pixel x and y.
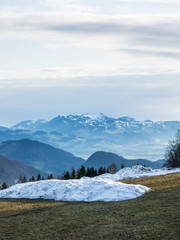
{"type": "Point", "coordinates": [118, 57]}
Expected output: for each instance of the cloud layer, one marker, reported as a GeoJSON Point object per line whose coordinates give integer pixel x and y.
{"type": "Point", "coordinates": [128, 50]}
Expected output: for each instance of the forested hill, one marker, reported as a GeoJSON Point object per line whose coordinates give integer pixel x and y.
{"type": "Point", "coordinates": [41, 156]}
{"type": "Point", "coordinates": [104, 159]}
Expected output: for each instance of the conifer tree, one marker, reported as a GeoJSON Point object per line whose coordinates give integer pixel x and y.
{"type": "Point", "coordinates": [24, 179]}
{"type": "Point", "coordinates": [32, 179]}
{"type": "Point", "coordinates": [82, 171]}
{"type": "Point", "coordinates": [39, 177]}
{"type": "Point", "coordinates": [100, 171]}
{"type": "Point", "coordinates": [78, 173]}
{"type": "Point", "coordinates": [4, 186]}
{"type": "Point", "coordinates": [122, 166]}
{"type": "Point", "coordinates": [50, 176]}
{"type": "Point", "coordinates": [73, 173]}
{"type": "Point", "coordinates": [95, 172]}
{"type": "Point", "coordinates": [67, 175]}
{"type": "Point", "coordinates": [88, 172]}
{"type": "Point", "coordinates": [104, 170]}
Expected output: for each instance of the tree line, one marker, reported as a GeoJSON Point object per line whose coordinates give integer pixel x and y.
{"type": "Point", "coordinates": [90, 172]}
{"type": "Point", "coordinates": [73, 174]}
{"type": "Point", "coordinates": [22, 179]}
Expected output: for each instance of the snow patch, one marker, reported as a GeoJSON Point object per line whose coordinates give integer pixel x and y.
{"type": "Point", "coordinates": [101, 188]}
{"type": "Point", "coordinates": [137, 171]}
{"type": "Point", "coordinates": [84, 189]}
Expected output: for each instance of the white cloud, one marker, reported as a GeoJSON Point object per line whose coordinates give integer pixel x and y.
{"type": "Point", "coordinates": [149, 29]}
{"type": "Point", "coordinates": [81, 76]}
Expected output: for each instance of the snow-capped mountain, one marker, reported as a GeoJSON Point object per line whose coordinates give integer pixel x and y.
{"type": "Point", "coordinates": [100, 122]}
{"type": "Point", "coordinates": [85, 134]}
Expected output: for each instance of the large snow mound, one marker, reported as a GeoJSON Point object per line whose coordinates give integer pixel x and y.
{"type": "Point", "coordinates": [101, 188]}
{"type": "Point", "coordinates": [85, 189]}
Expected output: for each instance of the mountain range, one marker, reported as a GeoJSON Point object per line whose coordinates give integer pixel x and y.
{"type": "Point", "coordinates": [33, 157]}
{"type": "Point", "coordinates": [98, 123]}
{"type": "Point", "coordinates": [85, 134]}
{"type": "Point", "coordinates": [37, 145]}
{"type": "Point", "coordinates": [40, 156]}
{"type": "Point", "coordinates": [46, 158]}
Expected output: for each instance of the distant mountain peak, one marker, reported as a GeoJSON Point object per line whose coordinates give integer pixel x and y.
{"type": "Point", "coordinates": [127, 119]}
{"type": "Point", "coordinates": [99, 116]}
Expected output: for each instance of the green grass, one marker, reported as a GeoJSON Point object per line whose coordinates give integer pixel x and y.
{"type": "Point", "coordinates": [155, 216]}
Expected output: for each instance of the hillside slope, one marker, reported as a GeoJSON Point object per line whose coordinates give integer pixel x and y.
{"type": "Point", "coordinates": [153, 216]}
{"type": "Point", "coordinates": [10, 170]}
{"type": "Point", "coordinates": [104, 159]}
{"type": "Point", "coordinates": [41, 156]}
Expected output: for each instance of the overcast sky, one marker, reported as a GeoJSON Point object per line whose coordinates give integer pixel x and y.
{"type": "Point", "coordinates": [118, 57]}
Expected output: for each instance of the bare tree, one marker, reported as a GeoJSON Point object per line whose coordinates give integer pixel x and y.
{"type": "Point", "coordinates": [112, 168]}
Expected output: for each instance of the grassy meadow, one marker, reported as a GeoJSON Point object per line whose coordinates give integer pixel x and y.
{"type": "Point", "coordinates": [154, 216]}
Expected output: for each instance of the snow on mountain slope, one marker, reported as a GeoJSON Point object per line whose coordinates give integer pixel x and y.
{"type": "Point", "coordinates": [83, 121]}
{"type": "Point", "coordinates": [84, 134]}
{"type": "Point", "coordinates": [101, 121]}
{"type": "Point", "coordinates": [102, 188]}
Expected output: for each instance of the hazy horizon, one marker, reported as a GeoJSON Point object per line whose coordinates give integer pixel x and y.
{"type": "Point", "coordinates": [120, 58]}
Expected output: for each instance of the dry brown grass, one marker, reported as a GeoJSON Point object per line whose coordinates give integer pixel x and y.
{"type": "Point", "coordinates": [10, 204]}
{"type": "Point", "coordinates": [157, 182]}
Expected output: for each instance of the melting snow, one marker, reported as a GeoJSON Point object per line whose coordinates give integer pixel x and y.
{"type": "Point", "coordinates": [137, 172]}
{"type": "Point", "coordinates": [101, 188]}
{"type": "Point", "coordinates": [85, 189]}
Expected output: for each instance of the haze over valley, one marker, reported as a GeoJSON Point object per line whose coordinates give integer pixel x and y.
{"type": "Point", "coordinates": [85, 134]}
